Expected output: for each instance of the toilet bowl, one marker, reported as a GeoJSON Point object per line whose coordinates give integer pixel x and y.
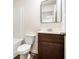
{"type": "Point", "coordinates": [24, 49]}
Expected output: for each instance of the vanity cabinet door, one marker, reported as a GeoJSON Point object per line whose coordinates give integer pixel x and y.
{"type": "Point", "coordinates": [50, 51]}
{"type": "Point", "coordinates": [50, 46]}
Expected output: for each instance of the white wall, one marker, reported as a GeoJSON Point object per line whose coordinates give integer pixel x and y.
{"type": "Point", "coordinates": [64, 15]}
{"type": "Point", "coordinates": [18, 21]}
{"type": "Point", "coordinates": [31, 16]}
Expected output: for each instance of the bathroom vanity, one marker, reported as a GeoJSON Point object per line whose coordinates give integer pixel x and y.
{"type": "Point", "coordinates": [50, 46]}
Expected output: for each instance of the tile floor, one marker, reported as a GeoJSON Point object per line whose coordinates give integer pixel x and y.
{"type": "Point", "coordinates": [32, 57]}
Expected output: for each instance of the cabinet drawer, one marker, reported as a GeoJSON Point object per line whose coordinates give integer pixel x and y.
{"type": "Point", "coordinates": [52, 38]}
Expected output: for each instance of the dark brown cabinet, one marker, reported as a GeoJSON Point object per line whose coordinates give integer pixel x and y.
{"type": "Point", "coordinates": [50, 46]}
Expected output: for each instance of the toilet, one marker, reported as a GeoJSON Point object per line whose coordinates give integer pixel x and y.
{"type": "Point", "coordinates": [24, 49]}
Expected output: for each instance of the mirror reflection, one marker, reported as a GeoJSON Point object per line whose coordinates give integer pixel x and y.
{"type": "Point", "coordinates": [49, 9]}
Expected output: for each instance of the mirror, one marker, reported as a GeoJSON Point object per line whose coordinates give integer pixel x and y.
{"type": "Point", "coordinates": [50, 11]}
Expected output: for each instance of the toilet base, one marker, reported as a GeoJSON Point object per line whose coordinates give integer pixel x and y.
{"type": "Point", "coordinates": [23, 56]}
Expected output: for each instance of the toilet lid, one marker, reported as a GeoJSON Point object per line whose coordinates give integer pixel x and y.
{"type": "Point", "coordinates": [24, 47]}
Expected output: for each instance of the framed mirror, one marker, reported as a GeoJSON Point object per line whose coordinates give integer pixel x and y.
{"type": "Point", "coordinates": [50, 11]}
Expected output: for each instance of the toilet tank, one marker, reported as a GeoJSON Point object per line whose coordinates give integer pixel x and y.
{"type": "Point", "coordinates": [29, 38]}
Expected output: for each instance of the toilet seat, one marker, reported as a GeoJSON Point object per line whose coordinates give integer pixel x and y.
{"type": "Point", "coordinates": [23, 49]}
